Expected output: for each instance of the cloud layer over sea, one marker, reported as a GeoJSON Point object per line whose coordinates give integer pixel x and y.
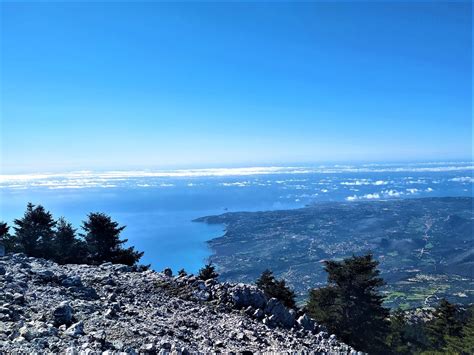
{"type": "Point", "coordinates": [324, 182]}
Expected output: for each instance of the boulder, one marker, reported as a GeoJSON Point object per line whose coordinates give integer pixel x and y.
{"type": "Point", "coordinates": [279, 313]}
{"type": "Point", "coordinates": [75, 330]}
{"type": "Point", "coordinates": [200, 285]}
{"type": "Point", "coordinates": [18, 298]}
{"type": "Point", "coordinates": [258, 314]}
{"type": "Point", "coordinates": [201, 295]}
{"type": "Point", "coordinates": [44, 275]}
{"type": "Point", "coordinates": [164, 344]}
{"type": "Point", "coordinates": [62, 314]}
{"type": "Point", "coordinates": [148, 348]}
{"type": "Point", "coordinates": [122, 268]}
{"type": "Point", "coordinates": [36, 329]}
{"type": "Point", "coordinates": [306, 322]}
{"type": "Point", "coordinates": [245, 295]}
{"type": "Point", "coordinates": [71, 281]}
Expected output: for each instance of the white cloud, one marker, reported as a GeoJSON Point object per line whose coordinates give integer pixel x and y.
{"type": "Point", "coordinates": [418, 181]}
{"type": "Point", "coordinates": [59, 187]}
{"type": "Point", "coordinates": [352, 198]}
{"type": "Point", "coordinates": [373, 196]}
{"type": "Point", "coordinates": [356, 182]}
{"type": "Point", "coordinates": [299, 187]}
{"type": "Point", "coordinates": [468, 179]}
{"type": "Point", "coordinates": [363, 182]}
{"type": "Point", "coordinates": [392, 193]}
{"type": "Point", "coordinates": [238, 183]}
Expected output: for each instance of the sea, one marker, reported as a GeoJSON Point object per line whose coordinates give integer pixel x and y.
{"type": "Point", "coordinates": [158, 206]}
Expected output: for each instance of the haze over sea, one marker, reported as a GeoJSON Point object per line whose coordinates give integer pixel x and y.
{"type": "Point", "coordinates": [158, 206]}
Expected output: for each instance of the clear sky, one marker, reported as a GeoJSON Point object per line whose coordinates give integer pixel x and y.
{"type": "Point", "coordinates": [126, 85]}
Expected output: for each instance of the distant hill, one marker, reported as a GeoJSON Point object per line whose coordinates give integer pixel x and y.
{"type": "Point", "coordinates": [425, 246]}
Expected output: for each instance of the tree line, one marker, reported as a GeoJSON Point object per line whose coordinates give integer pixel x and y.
{"type": "Point", "coordinates": [38, 234]}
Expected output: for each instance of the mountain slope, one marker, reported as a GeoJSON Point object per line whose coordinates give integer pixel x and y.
{"type": "Point", "coordinates": [48, 307]}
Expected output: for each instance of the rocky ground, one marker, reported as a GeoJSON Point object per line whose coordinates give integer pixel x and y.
{"type": "Point", "coordinates": [45, 307]}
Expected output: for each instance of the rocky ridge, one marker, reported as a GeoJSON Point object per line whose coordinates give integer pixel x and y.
{"type": "Point", "coordinates": [83, 309]}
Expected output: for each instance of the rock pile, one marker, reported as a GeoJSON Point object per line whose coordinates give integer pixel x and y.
{"type": "Point", "coordinates": [82, 309]}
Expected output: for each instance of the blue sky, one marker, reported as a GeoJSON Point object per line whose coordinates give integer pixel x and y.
{"type": "Point", "coordinates": [126, 85]}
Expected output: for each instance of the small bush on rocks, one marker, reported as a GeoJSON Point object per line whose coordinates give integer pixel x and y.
{"type": "Point", "coordinates": [274, 288]}
{"type": "Point", "coordinates": [208, 272]}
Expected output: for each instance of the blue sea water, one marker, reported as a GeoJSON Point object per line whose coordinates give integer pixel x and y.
{"type": "Point", "coordinates": [158, 206]}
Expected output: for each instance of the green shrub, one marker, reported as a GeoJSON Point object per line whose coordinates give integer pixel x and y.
{"type": "Point", "coordinates": [276, 288]}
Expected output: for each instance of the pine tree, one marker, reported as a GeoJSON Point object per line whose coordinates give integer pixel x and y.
{"type": "Point", "coordinates": [464, 344]}
{"type": "Point", "coordinates": [351, 306]}
{"type": "Point", "coordinates": [444, 324]}
{"type": "Point", "coordinates": [397, 339]}
{"type": "Point", "coordinates": [208, 272]}
{"type": "Point", "coordinates": [6, 238]}
{"type": "Point", "coordinates": [102, 236]}
{"type": "Point", "coordinates": [4, 231]}
{"type": "Point", "coordinates": [34, 232]}
{"type": "Point", "coordinates": [276, 288]}
{"type": "Point", "coordinates": [265, 280]}
{"type": "Point", "coordinates": [323, 306]}
{"type": "Point", "coordinates": [68, 248]}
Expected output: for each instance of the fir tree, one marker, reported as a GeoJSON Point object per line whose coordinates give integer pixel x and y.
{"type": "Point", "coordinates": [102, 236]}
{"type": "Point", "coordinates": [68, 249]}
{"type": "Point", "coordinates": [4, 231]}
{"type": "Point", "coordinates": [351, 306]}
{"type": "Point", "coordinates": [266, 279]}
{"type": "Point", "coordinates": [276, 288]}
{"type": "Point", "coordinates": [323, 306]}
{"type": "Point", "coordinates": [444, 324]}
{"type": "Point", "coordinates": [34, 232]}
{"type": "Point", "coordinates": [6, 238]}
{"type": "Point", "coordinates": [397, 339]}
{"type": "Point", "coordinates": [208, 272]}
{"type": "Point", "coordinates": [463, 344]}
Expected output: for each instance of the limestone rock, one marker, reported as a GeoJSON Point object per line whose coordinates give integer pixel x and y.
{"type": "Point", "coordinates": [75, 330]}
{"type": "Point", "coordinates": [306, 322]}
{"type": "Point", "coordinates": [279, 313]}
{"type": "Point", "coordinates": [107, 309]}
